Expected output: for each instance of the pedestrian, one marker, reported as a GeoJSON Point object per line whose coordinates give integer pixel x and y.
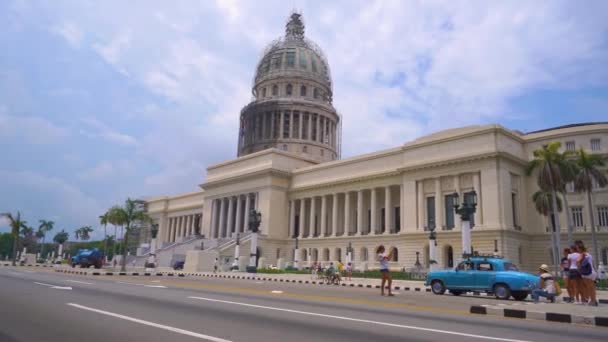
{"type": "Point", "coordinates": [215, 266]}
{"type": "Point", "coordinates": [565, 269]}
{"type": "Point", "coordinates": [319, 270]}
{"type": "Point", "coordinates": [340, 267]}
{"type": "Point", "coordinates": [547, 285]}
{"type": "Point", "coordinates": [574, 276]}
{"type": "Point", "coordinates": [313, 270]}
{"type": "Point", "coordinates": [383, 259]}
{"type": "Point", "coordinates": [349, 271]}
{"type": "Point", "coordinates": [588, 275]}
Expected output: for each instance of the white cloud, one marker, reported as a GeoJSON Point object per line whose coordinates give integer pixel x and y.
{"type": "Point", "coordinates": [70, 32]}
{"type": "Point", "coordinates": [29, 129]}
{"type": "Point", "coordinates": [105, 170]}
{"type": "Point", "coordinates": [113, 51]}
{"type": "Point", "coordinates": [107, 133]}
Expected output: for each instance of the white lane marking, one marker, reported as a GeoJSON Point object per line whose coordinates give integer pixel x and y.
{"type": "Point", "coordinates": [145, 285]}
{"type": "Point", "coordinates": [276, 291]}
{"type": "Point", "coordinates": [56, 287]}
{"type": "Point", "coordinates": [411, 327]}
{"type": "Point", "coordinates": [122, 282]}
{"type": "Point", "coordinates": [151, 324]}
{"type": "Point", "coordinates": [156, 286]}
{"type": "Point", "coordinates": [259, 282]}
{"type": "Point", "coordinates": [155, 281]}
{"type": "Point", "coordinates": [28, 271]}
{"type": "Point", "coordinates": [79, 282]}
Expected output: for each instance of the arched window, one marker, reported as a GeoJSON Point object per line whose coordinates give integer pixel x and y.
{"type": "Point", "coordinates": [303, 91]}
{"type": "Point", "coordinates": [395, 254]}
{"type": "Point", "coordinates": [275, 90]}
{"type": "Point", "coordinates": [304, 254]}
{"type": "Point", "coordinates": [264, 92]}
{"type": "Point", "coordinates": [315, 93]}
{"type": "Point", "coordinates": [363, 254]}
{"type": "Point", "coordinates": [326, 254]}
{"type": "Point", "coordinates": [284, 147]}
{"type": "Point", "coordinates": [338, 254]}
{"type": "Point", "coordinates": [315, 255]}
{"type": "Point", "coordinates": [278, 253]}
{"type": "Point", "coordinates": [449, 257]}
{"type": "Point", "coordinates": [289, 90]}
{"type": "Point", "coordinates": [305, 149]}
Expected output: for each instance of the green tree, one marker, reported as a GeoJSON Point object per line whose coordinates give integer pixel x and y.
{"type": "Point", "coordinates": [569, 171]}
{"type": "Point", "coordinates": [6, 244]}
{"type": "Point", "coordinates": [83, 233]}
{"type": "Point", "coordinates": [589, 172]}
{"type": "Point", "coordinates": [132, 215]}
{"type": "Point", "coordinates": [117, 218]}
{"type": "Point", "coordinates": [548, 163]}
{"type": "Point", "coordinates": [44, 227]}
{"type": "Point", "coordinates": [61, 237]}
{"type": "Point", "coordinates": [16, 225]}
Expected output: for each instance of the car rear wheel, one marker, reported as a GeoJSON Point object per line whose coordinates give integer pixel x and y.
{"type": "Point", "coordinates": [437, 287]}
{"type": "Point", "coordinates": [520, 295]}
{"type": "Point", "coordinates": [502, 291]}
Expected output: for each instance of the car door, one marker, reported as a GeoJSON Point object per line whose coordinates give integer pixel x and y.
{"type": "Point", "coordinates": [485, 275]}
{"type": "Point", "coordinates": [463, 276]}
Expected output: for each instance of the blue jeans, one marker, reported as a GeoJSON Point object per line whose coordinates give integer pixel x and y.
{"type": "Point", "coordinates": [541, 293]}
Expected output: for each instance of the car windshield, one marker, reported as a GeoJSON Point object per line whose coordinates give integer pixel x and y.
{"type": "Point", "coordinates": [510, 267]}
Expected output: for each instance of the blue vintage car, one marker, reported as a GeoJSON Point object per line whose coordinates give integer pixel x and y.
{"type": "Point", "coordinates": [484, 274]}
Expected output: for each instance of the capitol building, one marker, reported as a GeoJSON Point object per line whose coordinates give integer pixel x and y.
{"type": "Point", "coordinates": [289, 168]}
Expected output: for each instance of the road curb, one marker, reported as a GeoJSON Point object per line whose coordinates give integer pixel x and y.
{"type": "Point", "coordinates": [542, 316]}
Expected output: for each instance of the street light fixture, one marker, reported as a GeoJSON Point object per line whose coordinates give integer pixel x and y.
{"type": "Point", "coordinates": [432, 246]}
{"type": "Point", "coordinates": [255, 218]}
{"type": "Point", "coordinates": [466, 210]}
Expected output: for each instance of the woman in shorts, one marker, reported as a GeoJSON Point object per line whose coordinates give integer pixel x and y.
{"type": "Point", "coordinates": [383, 259]}
{"type": "Point", "coordinates": [574, 276]}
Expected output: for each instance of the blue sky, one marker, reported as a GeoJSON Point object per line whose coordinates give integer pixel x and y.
{"type": "Point", "coordinates": [101, 100]}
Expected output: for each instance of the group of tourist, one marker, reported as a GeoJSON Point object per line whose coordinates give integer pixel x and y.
{"type": "Point", "coordinates": [579, 277]}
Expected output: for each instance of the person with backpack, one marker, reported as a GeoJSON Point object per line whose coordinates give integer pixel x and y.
{"type": "Point", "coordinates": [588, 275]}
{"type": "Point", "coordinates": [548, 288]}
{"type": "Point", "coordinates": [575, 281]}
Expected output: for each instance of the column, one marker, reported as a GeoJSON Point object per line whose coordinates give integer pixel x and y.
{"type": "Point", "coordinates": [188, 225]}
{"type": "Point", "coordinates": [313, 213]}
{"type": "Point", "coordinates": [301, 129]}
{"type": "Point", "coordinates": [292, 218]}
{"type": "Point", "coordinates": [323, 215]}
{"type": "Point", "coordinates": [239, 214]}
{"type": "Point", "coordinates": [169, 225]}
{"type": "Point", "coordinates": [420, 200]}
{"type": "Point", "coordinates": [439, 222]}
{"type": "Point", "coordinates": [214, 219]}
{"type": "Point", "coordinates": [373, 209]}
{"type": "Point", "coordinates": [360, 214]}
{"type": "Point", "coordinates": [302, 217]}
{"type": "Point", "coordinates": [222, 218]}
{"type": "Point", "coordinates": [291, 125]}
{"type": "Point", "coordinates": [246, 213]}
{"type": "Point", "coordinates": [346, 213]}
{"type": "Point", "coordinates": [256, 199]}
{"type": "Point", "coordinates": [180, 227]}
{"type": "Point", "coordinates": [310, 126]}
{"type": "Point", "coordinates": [334, 216]}
{"type": "Point", "coordinates": [264, 125]}
{"type": "Point", "coordinates": [174, 230]}
{"type": "Point", "coordinates": [457, 220]}
{"type": "Point", "coordinates": [230, 216]}
{"type": "Point", "coordinates": [477, 188]}
{"type": "Point", "coordinates": [388, 210]}
{"type": "Point", "coordinates": [281, 122]}
{"type": "Point", "coordinates": [318, 128]}
{"type": "Point", "coordinates": [272, 120]}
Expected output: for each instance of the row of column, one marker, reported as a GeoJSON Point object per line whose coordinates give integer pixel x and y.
{"type": "Point", "coordinates": [289, 125]}
{"type": "Point", "coordinates": [439, 196]}
{"type": "Point", "coordinates": [339, 216]}
{"type": "Point", "coordinates": [230, 214]}
{"type": "Point", "coordinates": [181, 226]}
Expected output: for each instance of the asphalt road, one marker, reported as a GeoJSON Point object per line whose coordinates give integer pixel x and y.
{"type": "Point", "coordinates": [40, 305]}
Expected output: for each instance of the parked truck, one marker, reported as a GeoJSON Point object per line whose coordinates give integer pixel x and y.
{"type": "Point", "coordinates": [87, 258]}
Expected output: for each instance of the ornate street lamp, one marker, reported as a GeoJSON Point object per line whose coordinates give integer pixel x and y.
{"type": "Point", "coordinates": [296, 251]}
{"type": "Point", "coordinates": [255, 218]}
{"type": "Point", "coordinates": [465, 210]}
{"type": "Point", "coordinates": [417, 264]}
{"type": "Point", "coordinates": [432, 246]}
{"type": "Point", "coordinates": [151, 264]}
{"type": "Point", "coordinates": [349, 253]}
{"type": "Point", "coordinates": [235, 264]}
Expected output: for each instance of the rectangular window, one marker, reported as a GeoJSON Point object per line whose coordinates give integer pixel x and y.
{"type": "Point", "coordinates": [286, 125]}
{"type": "Point", "coordinates": [570, 146]}
{"type": "Point", "coordinates": [302, 54]}
{"type": "Point", "coordinates": [570, 187]}
{"type": "Point", "coordinates": [595, 144]}
{"type": "Point", "coordinates": [430, 212]}
{"type": "Point", "coordinates": [468, 197]}
{"type": "Point", "coordinates": [291, 59]}
{"type": "Point", "coordinates": [602, 216]}
{"type": "Point", "coordinates": [276, 61]}
{"type": "Point", "coordinates": [577, 216]}
{"type": "Point", "coordinates": [449, 212]}
{"type": "Point", "coordinates": [514, 209]}
{"type": "Point", "coordinates": [397, 219]}
{"type": "Point", "coordinates": [314, 128]}
{"type": "Point", "coordinates": [313, 64]}
{"type": "Point", "coordinates": [382, 220]}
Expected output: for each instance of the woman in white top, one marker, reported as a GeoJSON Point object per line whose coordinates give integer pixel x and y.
{"type": "Point", "coordinates": [547, 285]}
{"type": "Point", "coordinates": [574, 276]}
{"type": "Point", "coordinates": [383, 259]}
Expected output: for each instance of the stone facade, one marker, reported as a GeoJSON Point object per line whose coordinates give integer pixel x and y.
{"type": "Point", "coordinates": [388, 198]}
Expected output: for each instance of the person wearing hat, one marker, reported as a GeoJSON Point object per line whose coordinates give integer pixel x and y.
{"type": "Point", "coordinates": [547, 285]}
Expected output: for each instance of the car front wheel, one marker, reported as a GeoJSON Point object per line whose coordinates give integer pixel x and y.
{"type": "Point", "coordinates": [455, 292]}
{"type": "Point", "coordinates": [502, 291]}
{"type": "Point", "coordinates": [437, 287]}
{"type": "Point", "coordinates": [520, 295]}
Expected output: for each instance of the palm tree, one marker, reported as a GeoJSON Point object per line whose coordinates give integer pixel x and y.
{"type": "Point", "coordinates": [132, 215]}
{"type": "Point", "coordinates": [549, 163]}
{"type": "Point", "coordinates": [61, 237]}
{"type": "Point", "coordinates": [44, 227]}
{"type": "Point", "coordinates": [83, 233]}
{"type": "Point", "coordinates": [569, 170]}
{"type": "Point", "coordinates": [104, 220]}
{"type": "Point", "coordinates": [16, 225]}
{"type": "Point", "coordinates": [589, 172]}
{"type": "Point", "coordinates": [543, 202]}
{"type": "Point", "coordinates": [116, 218]}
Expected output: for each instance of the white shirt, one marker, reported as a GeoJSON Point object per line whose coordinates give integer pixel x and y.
{"type": "Point", "coordinates": [573, 258]}
{"type": "Point", "coordinates": [549, 282]}
{"type": "Point", "coordinates": [382, 257]}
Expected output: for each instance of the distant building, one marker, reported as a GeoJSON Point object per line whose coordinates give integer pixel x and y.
{"type": "Point", "coordinates": [289, 168]}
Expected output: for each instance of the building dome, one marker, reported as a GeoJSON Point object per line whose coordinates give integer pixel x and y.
{"type": "Point", "coordinates": [294, 56]}
{"type": "Point", "coordinates": [292, 106]}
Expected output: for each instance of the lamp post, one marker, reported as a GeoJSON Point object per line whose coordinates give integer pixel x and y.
{"type": "Point", "coordinates": [465, 210]}
{"type": "Point", "coordinates": [349, 253]}
{"type": "Point", "coordinates": [152, 258]}
{"type": "Point", "coordinates": [432, 247]}
{"type": "Point", "coordinates": [235, 264]}
{"type": "Point", "coordinates": [255, 218]}
{"type": "Point", "coordinates": [417, 264]}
